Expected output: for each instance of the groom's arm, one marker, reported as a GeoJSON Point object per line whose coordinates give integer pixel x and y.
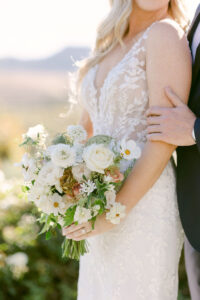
{"type": "Point", "coordinates": [177, 125]}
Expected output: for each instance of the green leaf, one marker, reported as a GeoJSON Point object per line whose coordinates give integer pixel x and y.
{"type": "Point", "coordinates": [47, 220]}
{"type": "Point", "coordinates": [60, 139]}
{"type": "Point", "coordinates": [25, 188]}
{"type": "Point", "coordinates": [93, 222]}
{"type": "Point", "coordinates": [69, 216]}
{"type": "Point", "coordinates": [48, 235]}
{"type": "Point", "coordinates": [59, 226]}
{"type": "Point", "coordinates": [99, 139]}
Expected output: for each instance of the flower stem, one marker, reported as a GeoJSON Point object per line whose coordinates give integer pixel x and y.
{"type": "Point", "coordinates": [74, 249]}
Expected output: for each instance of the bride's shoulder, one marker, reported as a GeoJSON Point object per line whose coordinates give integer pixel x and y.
{"type": "Point", "coordinates": [167, 31]}
{"type": "Point", "coordinates": [166, 35]}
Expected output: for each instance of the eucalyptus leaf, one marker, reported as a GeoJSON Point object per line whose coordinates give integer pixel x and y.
{"type": "Point", "coordinates": [99, 139]}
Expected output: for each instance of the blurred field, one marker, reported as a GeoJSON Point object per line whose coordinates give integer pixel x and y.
{"type": "Point", "coordinates": [29, 98]}
{"type": "Point", "coordinates": [26, 99]}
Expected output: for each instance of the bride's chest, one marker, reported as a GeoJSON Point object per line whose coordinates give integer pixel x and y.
{"type": "Point", "coordinates": [122, 86]}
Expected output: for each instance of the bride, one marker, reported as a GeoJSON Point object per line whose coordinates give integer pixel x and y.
{"type": "Point", "coordinates": [140, 49]}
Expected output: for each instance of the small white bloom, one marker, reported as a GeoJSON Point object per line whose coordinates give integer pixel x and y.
{"type": "Point", "coordinates": [108, 178]}
{"type": "Point", "coordinates": [110, 198]}
{"type": "Point", "coordinates": [50, 174]}
{"type": "Point", "coordinates": [38, 193]}
{"type": "Point", "coordinates": [63, 155]}
{"type": "Point", "coordinates": [77, 133]}
{"type": "Point", "coordinates": [29, 168]}
{"type": "Point", "coordinates": [80, 170]}
{"type": "Point", "coordinates": [95, 210]}
{"type": "Point", "coordinates": [116, 213]}
{"type": "Point", "coordinates": [97, 157]}
{"type": "Point", "coordinates": [36, 133]}
{"type": "Point", "coordinates": [111, 187]}
{"type": "Point", "coordinates": [130, 150]}
{"type": "Point", "coordinates": [87, 187]}
{"type": "Point", "coordinates": [82, 215]}
{"type": "Point", "coordinates": [61, 221]}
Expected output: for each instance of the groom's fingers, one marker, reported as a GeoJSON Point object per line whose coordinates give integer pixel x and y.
{"type": "Point", "coordinates": [156, 111]}
{"type": "Point", "coordinates": [154, 129]}
{"type": "Point", "coordinates": [157, 137]}
{"type": "Point", "coordinates": [174, 99]}
{"type": "Point", "coordinates": [154, 120]}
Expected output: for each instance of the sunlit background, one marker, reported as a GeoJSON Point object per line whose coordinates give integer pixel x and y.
{"type": "Point", "coordinates": [40, 39]}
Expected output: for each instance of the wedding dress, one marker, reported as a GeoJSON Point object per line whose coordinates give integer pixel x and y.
{"type": "Point", "coordinates": [138, 259]}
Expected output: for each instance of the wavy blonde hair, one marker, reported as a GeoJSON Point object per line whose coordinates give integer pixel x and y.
{"type": "Point", "coordinates": [114, 27]}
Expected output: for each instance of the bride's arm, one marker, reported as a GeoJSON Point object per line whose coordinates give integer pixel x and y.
{"type": "Point", "coordinates": [168, 64]}
{"type": "Point", "coordinates": [86, 123]}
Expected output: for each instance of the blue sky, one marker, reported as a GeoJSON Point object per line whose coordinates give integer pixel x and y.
{"type": "Point", "coordinates": [37, 28]}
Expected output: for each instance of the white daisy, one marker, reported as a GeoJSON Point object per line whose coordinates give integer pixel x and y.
{"type": "Point", "coordinates": [82, 215]}
{"type": "Point", "coordinates": [116, 213]}
{"type": "Point", "coordinates": [130, 150]}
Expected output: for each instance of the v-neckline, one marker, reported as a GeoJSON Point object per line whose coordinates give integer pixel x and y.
{"type": "Point", "coordinates": [98, 91]}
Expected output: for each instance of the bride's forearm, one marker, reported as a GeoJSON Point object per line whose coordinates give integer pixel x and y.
{"type": "Point", "coordinates": [145, 173]}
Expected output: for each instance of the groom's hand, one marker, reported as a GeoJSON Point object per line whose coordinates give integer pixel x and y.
{"type": "Point", "coordinates": [171, 125]}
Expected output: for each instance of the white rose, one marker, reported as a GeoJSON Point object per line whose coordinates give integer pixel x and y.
{"type": "Point", "coordinates": [110, 198]}
{"type": "Point", "coordinates": [63, 155]}
{"type": "Point", "coordinates": [80, 170]}
{"type": "Point", "coordinates": [98, 157]}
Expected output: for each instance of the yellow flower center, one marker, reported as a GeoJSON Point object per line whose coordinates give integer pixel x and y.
{"type": "Point", "coordinates": [117, 215]}
{"type": "Point", "coordinates": [127, 152]}
{"type": "Point", "coordinates": [55, 204]}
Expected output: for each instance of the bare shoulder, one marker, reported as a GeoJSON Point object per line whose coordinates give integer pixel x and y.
{"type": "Point", "coordinates": [168, 32]}
{"type": "Point", "coordinates": [169, 60]}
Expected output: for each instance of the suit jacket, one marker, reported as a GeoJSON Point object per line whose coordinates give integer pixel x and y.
{"type": "Point", "coordinates": [188, 160]}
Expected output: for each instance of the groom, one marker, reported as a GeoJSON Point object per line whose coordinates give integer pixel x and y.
{"type": "Point", "coordinates": [181, 126]}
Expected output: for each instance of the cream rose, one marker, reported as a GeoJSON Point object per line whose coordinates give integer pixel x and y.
{"type": "Point", "coordinates": [97, 157]}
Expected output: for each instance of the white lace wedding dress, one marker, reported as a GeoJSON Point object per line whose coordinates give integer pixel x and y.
{"type": "Point", "coordinates": [139, 258]}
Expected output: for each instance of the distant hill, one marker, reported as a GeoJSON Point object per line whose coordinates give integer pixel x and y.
{"type": "Point", "coordinates": [61, 61]}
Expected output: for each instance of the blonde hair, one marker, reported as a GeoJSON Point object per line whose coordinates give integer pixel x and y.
{"type": "Point", "coordinates": [114, 27]}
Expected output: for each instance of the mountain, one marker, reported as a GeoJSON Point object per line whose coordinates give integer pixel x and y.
{"type": "Point", "coordinates": [61, 61]}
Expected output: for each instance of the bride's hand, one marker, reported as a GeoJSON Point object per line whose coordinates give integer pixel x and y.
{"type": "Point", "coordinates": [84, 231]}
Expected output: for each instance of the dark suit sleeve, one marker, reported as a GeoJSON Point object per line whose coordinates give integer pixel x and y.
{"type": "Point", "coordinates": [197, 132]}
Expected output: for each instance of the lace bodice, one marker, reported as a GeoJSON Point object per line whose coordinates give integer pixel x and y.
{"type": "Point", "coordinates": [119, 110]}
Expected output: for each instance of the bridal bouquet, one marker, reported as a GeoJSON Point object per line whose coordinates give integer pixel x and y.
{"type": "Point", "coordinates": [72, 180]}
